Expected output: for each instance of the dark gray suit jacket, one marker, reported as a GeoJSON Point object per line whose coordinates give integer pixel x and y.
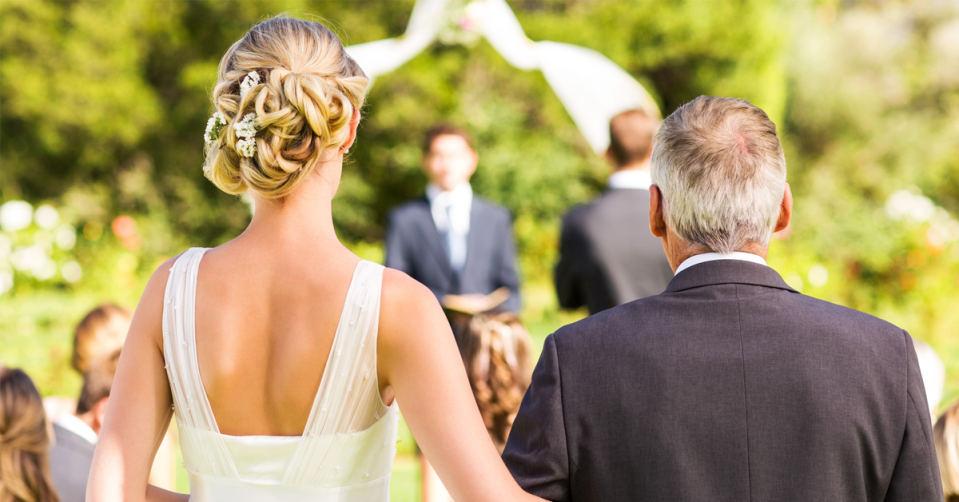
{"type": "Point", "coordinates": [729, 386]}
{"type": "Point", "coordinates": [607, 257]}
{"type": "Point", "coordinates": [414, 246]}
{"type": "Point", "coordinates": [70, 460]}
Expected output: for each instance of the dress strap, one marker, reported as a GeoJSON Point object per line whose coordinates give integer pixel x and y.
{"type": "Point", "coordinates": [198, 430]}
{"type": "Point", "coordinates": [348, 399]}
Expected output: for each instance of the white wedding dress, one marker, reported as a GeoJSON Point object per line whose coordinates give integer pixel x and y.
{"type": "Point", "coordinates": [346, 452]}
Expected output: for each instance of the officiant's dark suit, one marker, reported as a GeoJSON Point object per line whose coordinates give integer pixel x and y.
{"type": "Point", "coordinates": [607, 256]}
{"type": "Point", "coordinates": [414, 246]}
{"type": "Point", "coordinates": [730, 385]}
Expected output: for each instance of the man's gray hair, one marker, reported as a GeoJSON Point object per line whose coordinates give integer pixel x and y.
{"type": "Point", "coordinates": [721, 169]}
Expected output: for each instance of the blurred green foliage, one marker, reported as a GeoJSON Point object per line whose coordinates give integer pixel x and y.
{"type": "Point", "coordinates": [104, 104]}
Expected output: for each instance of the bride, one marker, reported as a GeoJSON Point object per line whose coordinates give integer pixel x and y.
{"type": "Point", "coordinates": [281, 354]}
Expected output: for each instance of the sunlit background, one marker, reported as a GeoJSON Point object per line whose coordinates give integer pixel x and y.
{"type": "Point", "coordinates": [103, 105]}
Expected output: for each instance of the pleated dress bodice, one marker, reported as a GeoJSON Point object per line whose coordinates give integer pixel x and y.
{"type": "Point", "coordinates": [346, 451]}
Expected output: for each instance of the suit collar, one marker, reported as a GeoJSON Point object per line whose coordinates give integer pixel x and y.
{"type": "Point", "coordinates": [727, 272]}
{"type": "Point", "coordinates": [70, 422]}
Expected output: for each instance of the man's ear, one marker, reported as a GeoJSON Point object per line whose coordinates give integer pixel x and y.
{"type": "Point", "coordinates": [785, 210]}
{"type": "Point", "coordinates": [99, 413]}
{"type": "Point", "coordinates": [657, 220]}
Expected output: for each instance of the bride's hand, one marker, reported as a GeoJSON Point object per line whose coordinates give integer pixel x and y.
{"type": "Point", "coordinates": [417, 357]}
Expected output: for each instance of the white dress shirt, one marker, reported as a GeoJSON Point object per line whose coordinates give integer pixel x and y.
{"type": "Point", "coordinates": [70, 422]}
{"type": "Point", "coordinates": [451, 214]}
{"type": "Point", "coordinates": [703, 258]}
{"type": "Point", "coordinates": [630, 178]}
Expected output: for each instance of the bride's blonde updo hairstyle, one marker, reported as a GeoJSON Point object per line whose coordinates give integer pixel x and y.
{"type": "Point", "coordinates": [307, 92]}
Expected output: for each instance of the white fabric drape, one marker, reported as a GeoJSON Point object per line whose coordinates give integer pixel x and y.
{"type": "Point", "coordinates": [592, 88]}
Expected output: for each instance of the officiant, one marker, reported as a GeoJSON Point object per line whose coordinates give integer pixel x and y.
{"type": "Point", "coordinates": [454, 242]}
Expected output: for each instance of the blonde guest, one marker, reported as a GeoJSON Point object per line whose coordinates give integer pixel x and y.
{"type": "Point", "coordinates": [24, 441]}
{"type": "Point", "coordinates": [945, 435]}
{"type": "Point", "coordinates": [497, 358]}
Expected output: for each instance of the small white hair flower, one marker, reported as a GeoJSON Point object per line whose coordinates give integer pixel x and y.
{"type": "Point", "coordinates": [246, 147]}
{"type": "Point", "coordinates": [213, 127]}
{"type": "Point", "coordinates": [246, 130]}
{"type": "Point", "coordinates": [251, 79]}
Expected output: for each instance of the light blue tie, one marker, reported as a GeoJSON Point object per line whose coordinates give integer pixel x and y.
{"type": "Point", "coordinates": [455, 243]}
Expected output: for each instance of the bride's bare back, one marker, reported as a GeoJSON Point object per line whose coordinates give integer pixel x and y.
{"type": "Point", "coordinates": [264, 329]}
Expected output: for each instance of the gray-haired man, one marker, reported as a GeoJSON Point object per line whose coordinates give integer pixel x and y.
{"type": "Point", "coordinates": [729, 386]}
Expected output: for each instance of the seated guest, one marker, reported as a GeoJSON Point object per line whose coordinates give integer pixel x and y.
{"type": "Point", "coordinates": [76, 433]}
{"type": "Point", "coordinates": [24, 441]}
{"type": "Point", "coordinates": [451, 240]}
{"type": "Point", "coordinates": [497, 357]}
{"type": "Point", "coordinates": [945, 435]}
{"type": "Point", "coordinates": [100, 334]}
{"type": "Point", "coordinates": [607, 256]}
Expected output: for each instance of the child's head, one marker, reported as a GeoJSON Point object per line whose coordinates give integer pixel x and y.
{"type": "Point", "coordinates": [99, 334]}
{"type": "Point", "coordinates": [497, 357]}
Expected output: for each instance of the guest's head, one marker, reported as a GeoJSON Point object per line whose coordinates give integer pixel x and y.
{"type": "Point", "coordinates": [305, 93]}
{"type": "Point", "coordinates": [497, 357]}
{"type": "Point", "coordinates": [24, 441]}
{"type": "Point", "coordinates": [449, 159]}
{"type": "Point", "coordinates": [100, 333]}
{"type": "Point", "coordinates": [720, 180]}
{"type": "Point", "coordinates": [631, 139]}
{"type": "Point", "coordinates": [97, 382]}
{"type": "Point", "coordinates": [945, 435]}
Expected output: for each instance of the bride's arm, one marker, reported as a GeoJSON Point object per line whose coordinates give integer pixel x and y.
{"type": "Point", "coordinates": [139, 408]}
{"type": "Point", "coordinates": [419, 359]}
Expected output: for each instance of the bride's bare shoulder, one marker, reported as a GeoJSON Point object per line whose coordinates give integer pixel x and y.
{"type": "Point", "coordinates": [402, 293]}
{"type": "Point", "coordinates": [149, 313]}
{"type": "Point", "coordinates": [407, 307]}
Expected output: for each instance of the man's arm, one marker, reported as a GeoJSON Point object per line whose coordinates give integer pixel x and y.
{"type": "Point", "coordinates": [566, 275]}
{"type": "Point", "coordinates": [508, 275]}
{"type": "Point", "coordinates": [916, 476]}
{"type": "Point", "coordinates": [536, 452]}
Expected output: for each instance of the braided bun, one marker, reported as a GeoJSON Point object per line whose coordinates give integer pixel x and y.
{"type": "Point", "coordinates": [307, 92]}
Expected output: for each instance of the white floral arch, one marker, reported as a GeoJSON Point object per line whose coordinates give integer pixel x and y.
{"type": "Point", "coordinates": [591, 87]}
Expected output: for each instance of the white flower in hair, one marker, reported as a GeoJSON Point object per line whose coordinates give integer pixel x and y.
{"type": "Point", "coordinates": [251, 79]}
{"type": "Point", "coordinates": [246, 129]}
{"type": "Point", "coordinates": [246, 147]}
{"type": "Point", "coordinates": [213, 127]}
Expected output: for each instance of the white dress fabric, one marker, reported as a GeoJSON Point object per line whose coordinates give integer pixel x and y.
{"type": "Point", "coordinates": [346, 452]}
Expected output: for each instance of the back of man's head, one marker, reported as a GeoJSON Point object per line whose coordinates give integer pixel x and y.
{"type": "Point", "coordinates": [97, 382]}
{"type": "Point", "coordinates": [631, 137]}
{"type": "Point", "coordinates": [722, 173]}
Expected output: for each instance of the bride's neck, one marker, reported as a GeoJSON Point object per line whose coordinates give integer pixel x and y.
{"type": "Point", "coordinates": [304, 217]}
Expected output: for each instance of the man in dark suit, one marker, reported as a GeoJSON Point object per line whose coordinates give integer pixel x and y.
{"type": "Point", "coordinates": [455, 243]}
{"type": "Point", "coordinates": [75, 435]}
{"type": "Point", "coordinates": [729, 386]}
{"type": "Point", "coordinates": [607, 256]}
{"type": "Point", "coordinates": [451, 240]}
